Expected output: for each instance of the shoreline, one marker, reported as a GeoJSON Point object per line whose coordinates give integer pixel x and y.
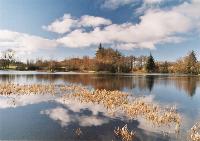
{"type": "Point", "coordinates": [16, 72]}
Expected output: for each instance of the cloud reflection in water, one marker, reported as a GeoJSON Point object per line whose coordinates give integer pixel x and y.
{"type": "Point", "coordinates": [65, 117]}
{"type": "Point", "coordinates": [14, 101]}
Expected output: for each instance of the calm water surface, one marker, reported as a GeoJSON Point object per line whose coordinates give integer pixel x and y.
{"type": "Point", "coordinates": [43, 117]}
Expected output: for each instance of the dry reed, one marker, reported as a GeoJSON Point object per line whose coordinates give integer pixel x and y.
{"type": "Point", "coordinates": [131, 107]}
{"type": "Point", "coordinates": [124, 133]}
{"type": "Point", "coordinates": [194, 132]}
{"type": "Point", "coordinates": [16, 89]}
{"type": "Point", "coordinates": [113, 101]}
{"type": "Point", "coordinates": [78, 132]}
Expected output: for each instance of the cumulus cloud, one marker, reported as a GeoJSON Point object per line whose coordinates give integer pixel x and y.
{"type": "Point", "coordinates": [61, 25]}
{"type": "Point", "coordinates": [68, 23]}
{"type": "Point", "coordinates": [24, 42]}
{"type": "Point", "coordinates": [149, 4]}
{"type": "Point", "coordinates": [92, 21]}
{"type": "Point", "coordinates": [156, 26]}
{"type": "Point", "coordinates": [191, 10]}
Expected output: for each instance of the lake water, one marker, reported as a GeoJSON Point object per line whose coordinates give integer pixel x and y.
{"type": "Point", "coordinates": [43, 117]}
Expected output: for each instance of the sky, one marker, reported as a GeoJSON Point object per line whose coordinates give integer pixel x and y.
{"type": "Point", "coordinates": [59, 29]}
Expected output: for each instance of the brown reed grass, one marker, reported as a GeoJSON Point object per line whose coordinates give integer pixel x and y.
{"type": "Point", "coordinates": [124, 134]}
{"type": "Point", "coordinates": [194, 132]}
{"type": "Point", "coordinates": [131, 107]}
{"type": "Point", "coordinates": [16, 89]}
{"type": "Point", "coordinates": [78, 132]}
{"type": "Point", "coordinates": [113, 101]}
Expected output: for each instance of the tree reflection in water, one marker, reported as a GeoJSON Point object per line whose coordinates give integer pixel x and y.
{"type": "Point", "coordinates": [187, 84]}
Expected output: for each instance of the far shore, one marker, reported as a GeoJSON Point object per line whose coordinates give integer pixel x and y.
{"type": "Point", "coordinates": [17, 72]}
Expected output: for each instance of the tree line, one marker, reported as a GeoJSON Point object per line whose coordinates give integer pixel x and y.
{"type": "Point", "coordinates": [105, 60]}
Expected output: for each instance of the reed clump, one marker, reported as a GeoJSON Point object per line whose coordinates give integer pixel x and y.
{"type": "Point", "coordinates": [153, 113]}
{"type": "Point", "coordinates": [194, 132]}
{"type": "Point", "coordinates": [130, 107]}
{"type": "Point", "coordinates": [72, 88]}
{"type": "Point", "coordinates": [16, 89]}
{"type": "Point", "coordinates": [113, 101]}
{"type": "Point", "coordinates": [78, 132]}
{"type": "Point", "coordinates": [110, 99]}
{"type": "Point", "coordinates": [124, 133]}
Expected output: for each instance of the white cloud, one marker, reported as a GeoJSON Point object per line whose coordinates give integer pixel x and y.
{"type": "Point", "coordinates": [79, 38]}
{"type": "Point", "coordinates": [67, 23]}
{"type": "Point", "coordinates": [22, 42]}
{"type": "Point", "coordinates": [191, 10]}
{"type": "Point", "coordinates": [152, 1]}
{"type": "Point", "coordinates": [148, 4]}
{"type": "Point", "coordinates": [92, 21]}
{"type": "Point", "coordinates": [61, 25]}
{"type": "Point", "coordinates": [156, 26]}
{"type": "Point", "coordinates": [114, 4]}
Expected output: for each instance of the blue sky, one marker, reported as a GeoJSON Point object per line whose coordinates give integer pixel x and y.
{"type": "Point", "coordinates": [68, 28]}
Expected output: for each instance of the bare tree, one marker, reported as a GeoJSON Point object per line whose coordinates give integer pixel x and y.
{"type": "Point", "coordinates": [7, 57]}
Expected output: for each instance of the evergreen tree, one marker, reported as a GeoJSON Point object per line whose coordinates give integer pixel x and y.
{"type": "Point", "coordinates": [100, 52]}
{"type": "Point", "coordinates": [191, 63]}
{"type": "Point", "coordinates": [150, 65]}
